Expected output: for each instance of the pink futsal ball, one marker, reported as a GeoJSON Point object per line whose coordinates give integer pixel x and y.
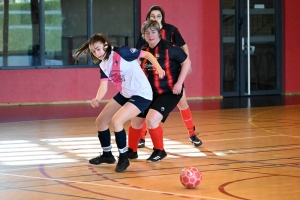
{"type": "Point", "coordinates": [190, 177]}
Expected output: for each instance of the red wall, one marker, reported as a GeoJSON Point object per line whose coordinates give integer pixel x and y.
{"type": "Point", "coordinates": [291, 46]}
{"type": "Point", "coordinates": [48, 85]}
{"type": "Point", "coordinates": [198, 22]}
{"type": "Point", "coordinates": [203, 39]}
{"type": "Point", "coordinates": [190, 17]}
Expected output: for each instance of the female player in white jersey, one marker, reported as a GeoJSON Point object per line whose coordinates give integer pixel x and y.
{"type": "Point", "coordinates": [119, 65]}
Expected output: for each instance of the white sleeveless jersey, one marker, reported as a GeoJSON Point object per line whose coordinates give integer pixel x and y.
{"type": "Point", "coordinates": [123, 69]}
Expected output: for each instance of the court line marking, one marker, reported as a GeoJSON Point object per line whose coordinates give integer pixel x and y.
{"type": "Point", "coordinates": [111, 186]}
{"type": "Point", "coordinates": [36, 166]}
{"type": "Point", "coordinates": [244, 138]}
{"type": "Point", "coordinates": [251, 119]}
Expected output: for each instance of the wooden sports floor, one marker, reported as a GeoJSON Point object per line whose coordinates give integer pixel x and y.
{"type": "Point", "coordinates": [251, 150]}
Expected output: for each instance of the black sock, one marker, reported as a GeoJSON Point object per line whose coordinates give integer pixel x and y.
{"type": "Point", "coordinates": [104, 138]}
{"type": "Point", "coordinates": [121, 143]}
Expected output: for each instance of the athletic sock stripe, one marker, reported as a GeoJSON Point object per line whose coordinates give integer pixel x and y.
{"type": "Point", "coordinates": [107, 149]}
{"type": "Point", "coordinates": [123, 150]}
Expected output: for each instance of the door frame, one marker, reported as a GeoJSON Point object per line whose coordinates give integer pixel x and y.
{"type": "Point", "coordinates": [240, 88]}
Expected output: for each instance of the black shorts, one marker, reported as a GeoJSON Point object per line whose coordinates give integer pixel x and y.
{"type": "Point", "coordinates": [164, 104]}
{"type": "Point", "coordinates": [140, 102]}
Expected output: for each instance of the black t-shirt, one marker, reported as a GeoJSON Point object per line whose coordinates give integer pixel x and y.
{"type": "Point", "coordinates": [170, 58]}
{"type": "Point", "coordinates": [168, 32]}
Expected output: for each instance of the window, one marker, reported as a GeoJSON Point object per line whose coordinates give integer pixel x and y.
{"type": "Point", "coordinates": [19, 33]}
{"type": "Point", "coordinates": [45, 33]}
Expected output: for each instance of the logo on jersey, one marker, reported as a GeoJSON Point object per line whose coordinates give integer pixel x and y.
{"type": "Point", "coordinates": [162, 109]}
{"type": "Point", "coordinates": [157, 56]}
{"type": "Point", "coordinates": [116, 77]}
{"type": "Point", "coordinates": [132, 50]}
{"type": "Point", "coordinates": [148, 66]}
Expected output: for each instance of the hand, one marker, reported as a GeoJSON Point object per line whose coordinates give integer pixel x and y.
{"type": "Point", "coordinates": [177, 88]}
{"type": "Point", "coordinates": [94, 103]}
{"type": "Point", "coordinates": [161, 73]}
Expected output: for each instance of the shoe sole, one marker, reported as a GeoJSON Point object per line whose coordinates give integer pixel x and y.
{"type": "Point", "coordinates": [103, 163]}
{"type": "Point", "coordinates": [150, 161]}
{"type": "Point", "coordinates": [133, 159]}
{"type": "Point", "coordinates": [197, 145]}
{"type": "Point", "coordinates": [117, 170]}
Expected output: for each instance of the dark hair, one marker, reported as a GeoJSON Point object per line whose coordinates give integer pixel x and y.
{"type": "Point", "coordinates": [155, 7]}
{"type": "Point", "coordinates": [84, 48]}
{"type": "Point", "coordinates": [153, 25]}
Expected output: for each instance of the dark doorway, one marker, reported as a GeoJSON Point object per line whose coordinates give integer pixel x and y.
{"type": "Point", "coordinates": [251, 44]}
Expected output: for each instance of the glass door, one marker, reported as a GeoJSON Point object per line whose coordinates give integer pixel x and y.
{"type": "Point", "coordinates": [251, 47]}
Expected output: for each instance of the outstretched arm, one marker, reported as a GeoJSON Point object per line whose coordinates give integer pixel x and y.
{"type": "Point", "coordinates": [100, 93]}
{"type": "Point", "coordinates": [152, 59]}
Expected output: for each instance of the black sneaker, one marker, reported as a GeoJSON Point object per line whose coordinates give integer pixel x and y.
{"type": "Point", "coordinates": [132, 155]}
{"type": "Point", "coordinates": [122, 165]}
{"type": "Point", "coordinates": [157, 155]}
{"type": "Point", "coordinates": [196, 141]}
{"type": "Point", "coordinates": [101, 159]}
{"type": "Point", "coordinates": [141, 143]}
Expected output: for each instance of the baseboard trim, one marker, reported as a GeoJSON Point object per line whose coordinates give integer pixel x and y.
{"type": "Point", "coordinates": [204, 98]}
{"type": "Point", "coordinates": [49, 103]}
{"type": "Point", "coordinates": [291, 93]}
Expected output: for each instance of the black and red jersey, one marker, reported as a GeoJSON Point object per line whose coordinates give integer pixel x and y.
{"type": "Point", "coordinates": [170, 58]}
{"type": "Point", "coordinates": [168, 32]}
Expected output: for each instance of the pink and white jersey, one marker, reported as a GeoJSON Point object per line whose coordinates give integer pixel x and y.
{"type": "Point", "coordinates": [123, 69]}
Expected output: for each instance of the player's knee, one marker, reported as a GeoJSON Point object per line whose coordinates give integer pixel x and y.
{"type": "Point", "coordinates": [115, 121]}
{"type": "Point", "coordinates": [97, 123]}
{"type": "Point", "coordinates": [152, 122]}
{"type": "Point", "coordinates": [117, 124]}
{"type": "Point", "coordinates": [100, 123]}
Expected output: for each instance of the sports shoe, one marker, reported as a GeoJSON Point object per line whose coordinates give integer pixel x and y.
{"type": "Point", "coordinates": [157, 155]}
{"type": "Point", "coordinates": [122, 165]}
{"type": "Point", "coordinates": [132, 155]}
{"type": "Point", "coordinates": [101, 159]}
{"type": "Point", "coordinates": [141, 143]}
{"type": "Point", "coordinates": [196, 142]}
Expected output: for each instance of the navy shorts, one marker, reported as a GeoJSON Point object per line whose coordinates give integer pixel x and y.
{"type": "Point", "coordinates": [140, 102]}
{"type": "Point", "coordinates": [164, 104]}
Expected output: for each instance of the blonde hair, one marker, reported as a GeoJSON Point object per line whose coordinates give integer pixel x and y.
{"type": "Point", "coordinates": [153, 25]}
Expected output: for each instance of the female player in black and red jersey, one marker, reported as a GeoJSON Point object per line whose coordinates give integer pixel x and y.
{"type": "Point", "coordinates": [172, 34]}
{"type": "Point", "coordinates": [167, 92]}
